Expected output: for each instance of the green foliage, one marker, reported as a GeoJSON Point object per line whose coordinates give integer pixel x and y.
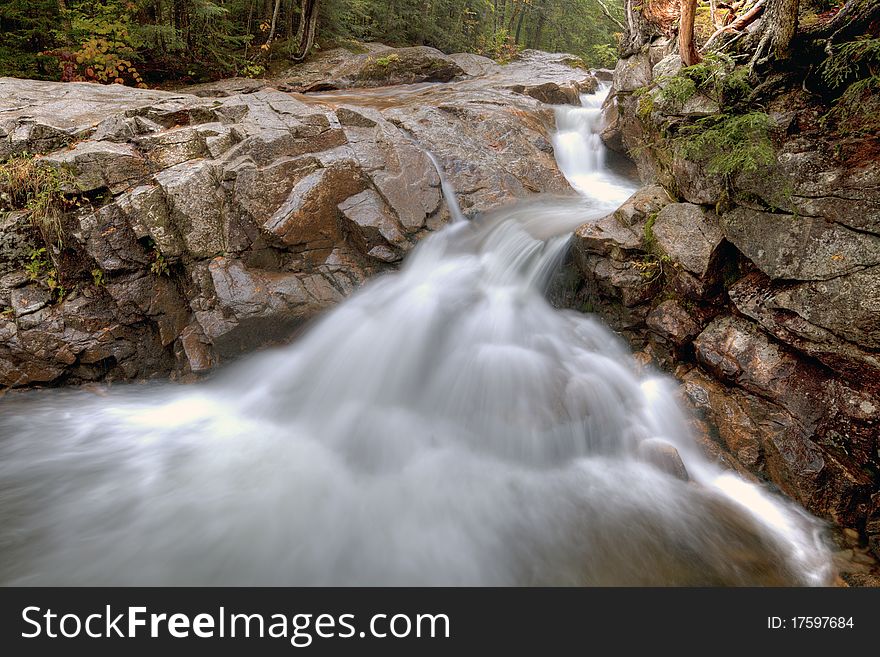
{"type": "Point", "coordinates": [38, 264]}
{"type": "Point", "coordinates": [857, 111]}
{"type": "Point", "coordinates": [28, 184]}
{"type": "Point", "coordinates": [650, 240]}
{"type": "Point", "coordinates": [728, 143]}
{"type": "Point", "coordinates": [40, 268]}
{"type": "Point", "coordinates": [716, 77]}
{"type": "Point", "coordinates": [851, 60]}
{"type": "Point", "coordinates": [159, 266]}
{"type": "Point", "coordinates": [142, 41]}
{"type": "Point", "coordinates": [98, 277]}
{"type": "Point", "coordinates": [385, 62]}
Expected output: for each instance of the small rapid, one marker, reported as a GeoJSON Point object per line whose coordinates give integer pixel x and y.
{"type": "Point", "coordinates": [443, 426]}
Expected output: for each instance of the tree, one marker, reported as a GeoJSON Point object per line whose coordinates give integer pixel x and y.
{"type": "Point", "coordinates": [686, 47]}
{"type": "Point", "coordinates": [305, 34]}
{"type": "Point", "coordinates": [778, 27]}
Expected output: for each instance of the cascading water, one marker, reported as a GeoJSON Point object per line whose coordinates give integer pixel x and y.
{"type": "Point", "coordinates": [444, 425]}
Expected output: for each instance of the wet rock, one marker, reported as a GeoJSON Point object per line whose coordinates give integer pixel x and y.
{"type": "Point", "coordinates": [830, 327]}
{"type": "Point", "coordinates": [308, 216]}
{"type": "Point", "coordinates": [223, 221]}
{"type": "Point", "coordinates": [475, 65]}
{"type": "Point", "coordinates": [374, 225]}
{"type": "Point", "coordinates": [672, 322]}
{"type": "Point", "coordinates": [801, 248]}
{"type": "Point", "coordinates": [170, 147]}
{"type": "Point", "coordinates": [664, 456]}
{"type": "Point", "coordinates": [195, 203]}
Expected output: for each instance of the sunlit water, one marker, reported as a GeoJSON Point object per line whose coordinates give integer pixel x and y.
{"type": "Point", "coordinates": [444, 425]}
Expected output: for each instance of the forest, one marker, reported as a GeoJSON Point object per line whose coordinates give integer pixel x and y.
{"type": "Point", "coordinates": [149, 41]}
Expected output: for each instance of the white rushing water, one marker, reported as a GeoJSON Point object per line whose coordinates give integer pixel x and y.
{"type": "Point", "coordinates": [444, 425]}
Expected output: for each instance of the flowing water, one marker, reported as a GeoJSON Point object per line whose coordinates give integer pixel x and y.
{"type": "Point", "coordinates": [444, 425]}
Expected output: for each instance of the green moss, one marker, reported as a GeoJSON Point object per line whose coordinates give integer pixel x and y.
{"type": "Point", "coordinates": [728, 144]}
{"type": "Point", "coordinates": [650, 240]}
{"type": "Point", "coordinates": [386, 61]}
{"type": "Point", "coordinates": [716, 77]}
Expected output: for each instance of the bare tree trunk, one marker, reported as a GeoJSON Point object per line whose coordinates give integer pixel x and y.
{"type": "Point", "coordinates": [305, 35]}
{"type": "Point", "coordinates": [250, 19]}
{"type": "Point", "coordinates": [855, 18]}
{"type": "Point", "coordinates": [686, 47]}
{"type": "Point", "coordinates": [274, 21]}
{"type": "Point", "coordinates": [777, 30]}
{"type": "Point", "coordinates": [646, 19]}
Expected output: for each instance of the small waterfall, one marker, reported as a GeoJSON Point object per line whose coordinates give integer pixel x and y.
{"type": "Point", "coordinates": [581, 154]}
{"type": "Point", "coordinates": [444, 425]}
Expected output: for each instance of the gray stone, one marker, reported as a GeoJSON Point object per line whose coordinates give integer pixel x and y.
{"type": "Point", "coordinates": [689, 234]}
{"type": "Point", "coordinates": [799, 248]}
{"type": "Point", "coordinates": [373, 224]}
{"type": "Point", "coordinates": [196, 202]}
{"type": "Point", "coordinates": [101, 164]}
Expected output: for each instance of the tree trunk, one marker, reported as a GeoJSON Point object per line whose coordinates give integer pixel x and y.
{"type": "Point", "coordinates": [274, 21]}
{"type": "Point", "coordinates": [686, 47]}
{"type": "Point", "coordinates": [305, 35]}
{"type": "Point", "coordinates": [777, 30]}
{"type": "Point", "coordinates": [519, 25]}
{"type": "Point", "coordinates": [646, 19]}
{"type": "Point", "coordinates": [855, 18]}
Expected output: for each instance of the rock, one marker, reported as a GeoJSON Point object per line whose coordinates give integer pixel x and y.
{"type": "Point", "coordinates": [689, 234]}
{"type": "Point", "coordinates": [664, 456]}
{"type": "Point", "coordinates": [475, 65]}
{"type": "Point", "coordinates": [673, 323]}
{"type": "Point", "coordinates": [603, 74]}
{"type": "Point", "coordinates": [215, 224]}
{"type": "Point", "coordinates": [225, 88]}
{"type": "Point", "coordinates": [842, 318]}
{"type": "Point", "coordinates": [308, 216]}
{"type": "Point", "coordinates": [170, 147]}
{"type": "Point", "coordinates": [374, 225]}
{"type": "Point", "coordinates": [29, 299]}
{"type": "Point", "coordinates": [39, 116]}
{"type": "Point", "coordinates": [18, 241]}
{"type": "Point", "coordinates": [809, 183]}
{"type": "Point", "coordinates": [666, 67]}
{"type": "Point", "coordinates": [771, 440]}
{"type": "Point", "coordinates": [393, 66]}
{"type": "Point", "coordinates": [695, 184]}
{"type": "Point", "coordinates": [101, 164]}
{"type": "Point", "coordinates": [196, 204]}
{"type": "Point", "coordinates": [799, 248]}
{"type": "Point", "coordinates": [550, 93]}
{"type": "Point", "coordinates": [632, 73]}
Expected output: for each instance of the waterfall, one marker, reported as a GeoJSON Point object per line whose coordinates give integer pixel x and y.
{"type": "Point", "coordinates": [443, 425]}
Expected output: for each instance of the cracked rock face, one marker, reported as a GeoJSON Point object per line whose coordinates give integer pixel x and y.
{"type": "Point", "coordinates": [210, 225]}
{"type": "Point", "coordinates": [760, 292]}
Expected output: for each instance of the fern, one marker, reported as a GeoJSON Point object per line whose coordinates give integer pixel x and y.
{"type": "Point", "coordinates": [851, 60]}
{"type": "Point", "coordinates": [729, 143]}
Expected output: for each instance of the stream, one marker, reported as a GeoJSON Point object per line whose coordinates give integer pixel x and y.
{"type": "Point", "coordinates": [442, 426]}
